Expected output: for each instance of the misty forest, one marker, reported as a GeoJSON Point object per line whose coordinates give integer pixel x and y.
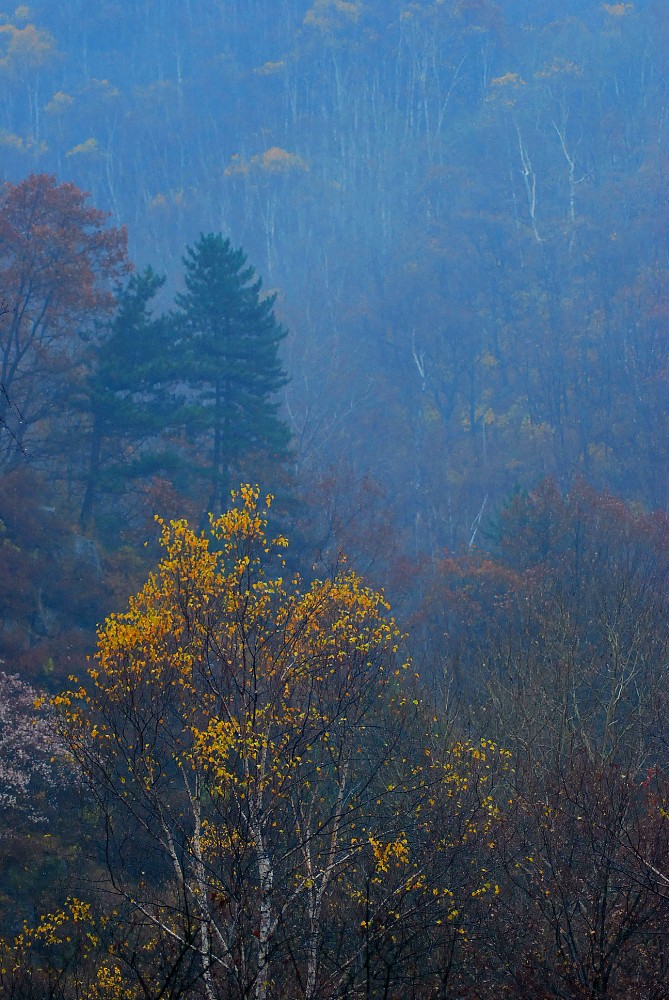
{"type": "Point", "coordinates": [334, 492]}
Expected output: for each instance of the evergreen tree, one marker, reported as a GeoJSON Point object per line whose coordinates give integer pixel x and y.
{"type": "Point", "coordinates": [127, 394]}
{"type": "Point", "coordinates": [231, 360]}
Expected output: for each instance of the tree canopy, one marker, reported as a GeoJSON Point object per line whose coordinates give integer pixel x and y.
{"type": "Point", "coordinates": [271, 801]}
{"type": "Point", "coordinates": [59, 261]}
{"type": "Point", "coordinates": [230, 353]}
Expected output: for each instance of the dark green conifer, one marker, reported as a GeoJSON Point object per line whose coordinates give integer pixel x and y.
{"type": "Point", "coordinates": [127, 393]}
{"type": "Point", "coordinates": [230, 351]}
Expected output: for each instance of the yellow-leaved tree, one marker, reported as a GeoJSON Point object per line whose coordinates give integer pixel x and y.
{"type": "Point", "coordinates": [270, 805]}
{"type": "Point", "coordinates": [229, 728]}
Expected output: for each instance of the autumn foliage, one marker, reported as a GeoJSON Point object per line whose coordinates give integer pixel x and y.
{"type": "Point", "coordinates": [58, 264]}
{"type": "Point", "coordinates": [279, 810]}
{"type": "Point", "coordinates": [268, 792]}
{"type": "Point", "coordinates": [274, 803]}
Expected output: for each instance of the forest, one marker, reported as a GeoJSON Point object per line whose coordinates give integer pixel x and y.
{"type": "Point", "coordinates": [334, 500]}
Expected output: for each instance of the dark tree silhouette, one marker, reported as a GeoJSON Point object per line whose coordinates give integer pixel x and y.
{"type": "Point", "coordinates": [231, 359]}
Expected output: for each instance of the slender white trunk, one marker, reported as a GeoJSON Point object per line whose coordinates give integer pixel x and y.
{"type": "Point", "coordinates": [530, 179]}
{"type": "Point", "coordinates": [318, 893]}
{"type": "Point", "coordinates": [202, 902]}
{"type": "Point", "coordinates": [266, 876]}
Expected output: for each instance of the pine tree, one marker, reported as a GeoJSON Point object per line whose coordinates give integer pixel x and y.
{"type": "Point", "coordinates": [231, 361]}
{"type": "Point", "coordinates": [127, 394]}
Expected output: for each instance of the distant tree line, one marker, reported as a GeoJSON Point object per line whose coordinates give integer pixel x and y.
{"type": "Point", "coordinates": [461, 203]}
